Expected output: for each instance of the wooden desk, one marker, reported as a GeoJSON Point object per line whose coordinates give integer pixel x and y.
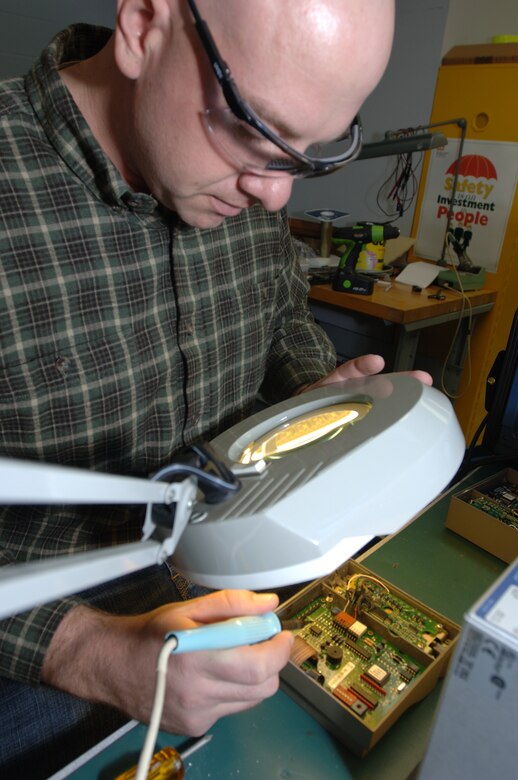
{"type": "Point", "coordinates": [409, 312]}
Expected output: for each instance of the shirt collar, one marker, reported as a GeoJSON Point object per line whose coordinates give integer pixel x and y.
{"type": "Point", "coordinates": [65, 126]}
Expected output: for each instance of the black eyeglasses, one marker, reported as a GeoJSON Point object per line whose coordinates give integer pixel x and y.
{"type": "Point", "coordinates": [240, 134]}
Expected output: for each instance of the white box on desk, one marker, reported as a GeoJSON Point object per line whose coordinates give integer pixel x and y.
{"type": "Point", "coordinates": [474, 734]}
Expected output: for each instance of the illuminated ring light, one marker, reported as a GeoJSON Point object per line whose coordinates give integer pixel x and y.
{"type": "Point", "coordinates": [323, 423]}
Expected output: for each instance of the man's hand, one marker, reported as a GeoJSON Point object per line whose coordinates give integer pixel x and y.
{"type": "Point", "coordinates": [366, 365]}
{"type": "Point", "coordinates": [113, 660]}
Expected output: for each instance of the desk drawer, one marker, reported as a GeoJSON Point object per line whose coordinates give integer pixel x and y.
{"type": "Point", "coordinates": [356, 334]}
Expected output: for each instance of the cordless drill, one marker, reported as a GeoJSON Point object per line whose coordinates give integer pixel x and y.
{"type": "Point", "coordinates": [346, 278]}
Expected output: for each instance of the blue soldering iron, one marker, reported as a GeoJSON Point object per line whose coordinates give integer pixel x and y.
{"type": "Point", "coordinates": [226, 634]}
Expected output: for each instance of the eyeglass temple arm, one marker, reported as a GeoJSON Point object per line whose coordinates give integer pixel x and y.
{"type": "Point", "coordinates": [218, 64]}
{"type": "Point", "coordinates": [234, 99]}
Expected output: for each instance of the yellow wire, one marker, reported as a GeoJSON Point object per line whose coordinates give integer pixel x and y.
{"type": "Point", "coordinates": [355, 577]}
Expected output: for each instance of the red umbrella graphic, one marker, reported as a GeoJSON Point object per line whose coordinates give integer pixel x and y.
{"type": "Point", "coordinates": [474, 165]}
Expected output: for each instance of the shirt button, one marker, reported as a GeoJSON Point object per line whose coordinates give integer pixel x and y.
{"type": "Point", "coordinates": [139, 201]}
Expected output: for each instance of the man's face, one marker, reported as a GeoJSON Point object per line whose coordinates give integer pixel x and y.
{"type": "Point", "coordinates": [300, 95]}
{"type": "Point", "coordinates": [178, 162]}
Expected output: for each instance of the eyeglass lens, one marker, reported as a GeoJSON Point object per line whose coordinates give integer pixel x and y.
{"type": "Point", "coordinates": [249, 150]}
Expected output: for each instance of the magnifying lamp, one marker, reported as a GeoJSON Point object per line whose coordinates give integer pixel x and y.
{"type": "Point", "coordinates": [290, 493]}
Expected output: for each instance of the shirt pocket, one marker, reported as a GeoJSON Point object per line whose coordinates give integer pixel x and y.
{"type": "Point", "coordinates": [70, 403]}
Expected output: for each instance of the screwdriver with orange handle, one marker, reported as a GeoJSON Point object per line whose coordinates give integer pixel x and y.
{"type": "Point", "coordinates": [168, 763]}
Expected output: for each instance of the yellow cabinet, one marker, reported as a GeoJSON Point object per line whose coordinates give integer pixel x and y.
{"type": "Point", "coordinates": [480, 84]}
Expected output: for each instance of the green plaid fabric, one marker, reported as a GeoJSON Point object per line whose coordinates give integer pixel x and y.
{"type": "Point", "coordinates": [125, 334]}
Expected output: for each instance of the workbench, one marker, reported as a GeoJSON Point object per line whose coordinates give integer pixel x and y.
{"type": "Point", "coordinates": [278, 738]}
{"type": "Point", "coordinates": [390, 322]}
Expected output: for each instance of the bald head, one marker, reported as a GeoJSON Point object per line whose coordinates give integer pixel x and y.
{"type": "Point", "coordinates": [340, 47]}
{"type": "Point", "coordinates": [305, 66]}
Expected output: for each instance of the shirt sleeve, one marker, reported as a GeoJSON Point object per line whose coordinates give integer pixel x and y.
{"type": "Point", "coordinates": [25, 638]}
{"type": "Point", "coordinates": [301, 352]}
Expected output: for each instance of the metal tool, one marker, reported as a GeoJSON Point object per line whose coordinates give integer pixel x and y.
{"type": "Point", "coordinates": [168, 763]}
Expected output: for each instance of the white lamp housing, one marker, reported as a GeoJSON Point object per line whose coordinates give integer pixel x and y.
{"type": "Point", "coordinates": [315, 507]}
{"type": "Point", "coordinates": [306, 513]}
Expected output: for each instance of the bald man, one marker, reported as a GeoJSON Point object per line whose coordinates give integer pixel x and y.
{"type": "Point", "coordinates": [151, 292]}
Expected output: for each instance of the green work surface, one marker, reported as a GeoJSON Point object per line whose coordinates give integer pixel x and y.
{"type": "Point", "coordinates": [279, 739]}
{"type": "Point", "coordinates": [436, 565]}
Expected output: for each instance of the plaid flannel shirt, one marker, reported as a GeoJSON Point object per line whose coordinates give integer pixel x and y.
{"type": "Point", "coordinates": [125, 334]}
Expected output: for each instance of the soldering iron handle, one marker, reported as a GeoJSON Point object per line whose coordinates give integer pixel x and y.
{"type": "Point", "coordinates": [228, 633]}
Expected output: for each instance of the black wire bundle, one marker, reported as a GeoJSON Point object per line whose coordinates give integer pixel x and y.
{"type": "Point", "coordinates": [400, 188]}
{"type": "Point", "coordinates": [214, 478]}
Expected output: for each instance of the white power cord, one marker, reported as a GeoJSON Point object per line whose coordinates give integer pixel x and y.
{"type": "Point", "coordinates": [146, 754]}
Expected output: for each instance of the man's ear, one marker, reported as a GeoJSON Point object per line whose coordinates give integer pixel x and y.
{"type": "Point", "coordinates": [139, 27]}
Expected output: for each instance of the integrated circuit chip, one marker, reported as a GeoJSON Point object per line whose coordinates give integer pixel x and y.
{"type": "Point", "coordinates": [378, 674]}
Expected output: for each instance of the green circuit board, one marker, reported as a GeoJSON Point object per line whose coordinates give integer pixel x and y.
{"type": "Point", "coordinates": [499, 501]}
{"type": "Point", "coordinates": [365, 645]}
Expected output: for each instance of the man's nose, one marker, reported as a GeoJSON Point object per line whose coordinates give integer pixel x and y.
{"type": "Point", "coordinates": [273, 193]}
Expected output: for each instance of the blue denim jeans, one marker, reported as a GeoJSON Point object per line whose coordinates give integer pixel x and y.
{"type": "Point", "coordinates": [42, 729]}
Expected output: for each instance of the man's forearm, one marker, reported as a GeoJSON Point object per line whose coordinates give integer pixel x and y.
{"type": "Point", "coordinates": [112, 660]}
{"type": "Point", "coordinates": [86, 643]}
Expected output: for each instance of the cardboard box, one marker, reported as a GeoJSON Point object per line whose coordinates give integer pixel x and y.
{"type": "Point", "coordinates": [479, 526]}
{"type": "Point", "coordinates": [360, 732]}
{"type": "Point", "coordinates": [474, 733]}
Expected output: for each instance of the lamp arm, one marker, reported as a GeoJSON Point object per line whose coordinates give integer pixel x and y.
{"type": "Point", "coordinates": [461, 123]}
{"type": "Point", "coordinates": [393, 144]}
{"type": "Point", "coordinates": [28, 585]}
{"type": "Point", "coordinates": [31, 482]}
{"type": "Point", "coordinates": [415, 139]}
{"type": "Point", "coordinates": [169, 507]}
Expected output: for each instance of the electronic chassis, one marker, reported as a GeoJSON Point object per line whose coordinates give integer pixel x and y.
{"type": "Point", "coordinates": [365, 652]}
